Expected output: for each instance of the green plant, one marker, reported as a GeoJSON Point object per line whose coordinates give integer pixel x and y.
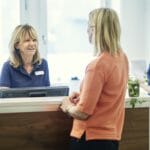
{"type": "Point", "coordinates": [134, 101]}
{"type": "Point", "coordinates": [133, 87]}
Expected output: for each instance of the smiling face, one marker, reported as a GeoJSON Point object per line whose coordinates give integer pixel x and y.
{"type": "Point", "coordinates": [28, 46]}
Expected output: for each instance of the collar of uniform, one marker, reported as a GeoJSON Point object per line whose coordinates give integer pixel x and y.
{"type": "Point", "coordinates": [21, 69]}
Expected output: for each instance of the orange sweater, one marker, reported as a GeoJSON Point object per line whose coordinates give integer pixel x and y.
{"type": "Point", "coordinates": [102, 97]}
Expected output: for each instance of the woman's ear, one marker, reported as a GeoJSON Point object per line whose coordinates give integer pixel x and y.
{"type": "Point", "coordinates": [17, 46]}
{"type": "Point", "coordinates": [16, 51]}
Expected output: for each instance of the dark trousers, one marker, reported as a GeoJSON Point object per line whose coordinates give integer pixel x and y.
{"type": "Point", "coordinates": [82, 144]}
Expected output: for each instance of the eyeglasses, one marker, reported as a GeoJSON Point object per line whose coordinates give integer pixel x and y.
{"type": "Point", "coordinates": [91, 26]}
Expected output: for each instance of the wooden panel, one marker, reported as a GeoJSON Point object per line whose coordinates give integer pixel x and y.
{"type": "Point", "coordinates": [50, 130]}
{"type": "Point", "coordinates": [34, 131]}
{"type": "Point", "coordinates": [136, 130]}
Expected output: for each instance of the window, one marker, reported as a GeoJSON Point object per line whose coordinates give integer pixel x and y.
{"type": "Point", "coordinates": [68, 47]}
{"type": "Point", "coordinates": [9, 19]}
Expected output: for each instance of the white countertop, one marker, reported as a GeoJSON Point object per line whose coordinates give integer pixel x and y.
{"type": "Point", "coordinates": [38, 104]}
{"type": "Point", "coordinates": [142, 101]}
{"type": "Point", "coordinates": [34, 104]}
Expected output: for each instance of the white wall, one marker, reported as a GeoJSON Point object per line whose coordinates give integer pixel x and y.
{"type": "Point", "coordinates": [135, 23]}
{"type": "Point", "coordinates": [147, 10]}
{"type": "Point", "coordinates": [134, 28]}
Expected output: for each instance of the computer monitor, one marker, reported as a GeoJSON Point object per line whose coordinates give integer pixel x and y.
{"type": "Point", "coordinates": [34, 92]}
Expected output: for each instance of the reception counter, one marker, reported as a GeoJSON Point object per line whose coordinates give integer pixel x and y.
{"type": "Point", "coordinates": [38, 124]}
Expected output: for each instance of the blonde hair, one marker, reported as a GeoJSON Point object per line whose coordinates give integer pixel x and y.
{"type": "Point", "coordinates": [18, 36]}
{"type": "Point", "coordinates": [107, 30]}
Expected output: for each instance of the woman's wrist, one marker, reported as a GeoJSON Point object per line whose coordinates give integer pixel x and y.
{"type": "Point", "coordinates": [68, 110]}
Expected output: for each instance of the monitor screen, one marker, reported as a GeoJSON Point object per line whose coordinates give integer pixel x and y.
{"type": "Point", "coordinates": [34, 92]}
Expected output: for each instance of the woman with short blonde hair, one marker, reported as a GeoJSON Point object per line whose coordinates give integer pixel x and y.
{"type": "Point", "coordinates": [25, 68]}
{"type": "Point", "coordinates": [18, 36]}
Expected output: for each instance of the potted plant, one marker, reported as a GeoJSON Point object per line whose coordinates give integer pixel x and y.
{"type": "Point", "coordinates": [134, 92]}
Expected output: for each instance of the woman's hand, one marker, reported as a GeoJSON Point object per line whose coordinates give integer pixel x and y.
{"type": "Point", "coordinates": [66, 103]}
{"type": "Point", "coordinates": [74, 97]}
{"type": "Point", "coordinates": [68, 107]}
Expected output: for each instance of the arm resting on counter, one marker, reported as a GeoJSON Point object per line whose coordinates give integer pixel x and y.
{"type": "Point", "coordinates": [70, 108]}
{"type": "Point", "coordinates": [72, 111]}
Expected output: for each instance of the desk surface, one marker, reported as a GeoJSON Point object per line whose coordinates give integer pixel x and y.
{"type": "Point", "coordinates": [39, 104]}
{"type": "Point", "coordinates": [34, 104]}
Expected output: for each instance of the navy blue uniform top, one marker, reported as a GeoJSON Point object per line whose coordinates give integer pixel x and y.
{"type": "Point", "coordinates": [18, 77]}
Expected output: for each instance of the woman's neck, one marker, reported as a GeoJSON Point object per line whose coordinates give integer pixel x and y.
{"type": "Point", "coordinates": [27, 64]}
{"type": "Point", "coordinates": [27, 60]}
{"type": "Point", "coordinates": [28, 67]}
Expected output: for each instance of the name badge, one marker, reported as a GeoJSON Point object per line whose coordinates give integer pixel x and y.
{"type": "Point", "coordinates": [37, 73]}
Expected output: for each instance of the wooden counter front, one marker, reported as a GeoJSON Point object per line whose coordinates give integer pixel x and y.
{"type": "Point", "coordinates": [35, 131]}
{"type": "Point", "coordinates": [38, 124]}
{"type": "Point", "coordinates": [136, 130]}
